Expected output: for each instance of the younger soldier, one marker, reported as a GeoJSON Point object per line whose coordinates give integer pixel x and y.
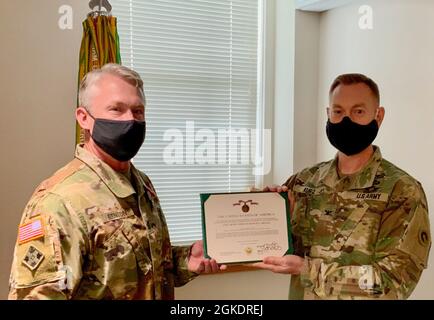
{"type": "Point", "coordinates": [360, 224]}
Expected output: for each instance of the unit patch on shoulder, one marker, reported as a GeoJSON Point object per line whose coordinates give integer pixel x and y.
{"type": "Point", "coordinates": [33, 258]}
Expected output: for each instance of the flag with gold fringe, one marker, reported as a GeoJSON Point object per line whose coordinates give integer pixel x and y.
{"type": "Point", "coordinates": [99, 46]}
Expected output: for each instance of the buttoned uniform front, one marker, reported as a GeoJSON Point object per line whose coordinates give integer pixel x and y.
{"type": "Point", "coordinates": [363, 236]}
{"type": "Point", "coordinates": [104, 237]}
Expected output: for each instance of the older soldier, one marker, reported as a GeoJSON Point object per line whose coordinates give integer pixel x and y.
{"type": "Point", "coordinates": [95, 229]}
{"type": "Point", "coordinates": [360, 224]}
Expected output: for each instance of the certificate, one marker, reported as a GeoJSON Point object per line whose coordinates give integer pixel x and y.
{"type": "Point", "coordinates": [245, 227]}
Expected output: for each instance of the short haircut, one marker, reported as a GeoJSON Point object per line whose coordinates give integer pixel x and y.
{"type": "Point", "coordinates": [92, 77]}
{"type": "Point", "coordinates": [355, 78]}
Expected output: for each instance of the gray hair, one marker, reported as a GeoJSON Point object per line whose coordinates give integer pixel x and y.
{"type": "Point", "coordinates": [91, 78]}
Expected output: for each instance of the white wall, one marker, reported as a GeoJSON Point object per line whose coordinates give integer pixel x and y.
{"type": "Point", "coordinates": [306, 88]}
{"type": "Point", "coordinates": [399, 55]}
{"type": "Point", "coordinates": [283, 160]}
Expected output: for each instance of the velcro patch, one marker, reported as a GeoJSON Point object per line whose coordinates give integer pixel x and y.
{"type": "Point", "coordinates": [33, 258]}
{"type": "Point", "coordinates": [30, 231]}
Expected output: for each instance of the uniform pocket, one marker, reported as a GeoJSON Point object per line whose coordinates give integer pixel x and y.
{"type": "Point", "coordinates": [301, 225]}
{"type": "Point", "coordinates": [118, 258]}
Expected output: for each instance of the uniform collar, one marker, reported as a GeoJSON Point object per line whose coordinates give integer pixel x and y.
{"type": "Point", "coordinates": [360, 180]}
{"type": "Point", "coordinates": [116, 182]}
{"type": "Point", "coordinates": [144, 184]}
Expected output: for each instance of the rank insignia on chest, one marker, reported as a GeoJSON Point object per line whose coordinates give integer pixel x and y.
{"type": "Point", "coordinates": [30, 231]}
{"type": "Point", "coordinates": [33, 258]}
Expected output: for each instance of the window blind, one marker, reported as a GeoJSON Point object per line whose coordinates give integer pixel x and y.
{"type": "Point", "coordinates": [199, 61]}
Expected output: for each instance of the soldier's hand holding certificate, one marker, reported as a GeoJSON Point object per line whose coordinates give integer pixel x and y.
{"type": "Point", "coordinates": [245, 227]}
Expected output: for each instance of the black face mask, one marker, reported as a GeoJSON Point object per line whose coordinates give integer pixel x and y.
{"type": "Point", "coordinates": [349, 137]}
{"type": "Point", "coordinates": [120, 139]}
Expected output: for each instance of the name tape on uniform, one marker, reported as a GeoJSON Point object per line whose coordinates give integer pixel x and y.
{"type": "Point", "coordinates": [347, 195]}
{"type": "Point", "coordinates": [376, 196]}
{"type": "Point", "coordinates": [308, 190]}
{"type": "Point", "coordinates": [109, 216]}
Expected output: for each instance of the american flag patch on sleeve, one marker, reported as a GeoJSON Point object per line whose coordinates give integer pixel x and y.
{"type": "Point", "coordinates": [30, 231]}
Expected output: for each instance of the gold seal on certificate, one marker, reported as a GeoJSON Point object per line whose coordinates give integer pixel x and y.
{"type": "Point", "coordinates": [245, 227]}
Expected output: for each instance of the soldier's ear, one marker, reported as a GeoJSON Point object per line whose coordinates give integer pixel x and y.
{"type": "Point", "coordinates": [83, 118]}
{"type": "Point", "coordinates": [380, 115]}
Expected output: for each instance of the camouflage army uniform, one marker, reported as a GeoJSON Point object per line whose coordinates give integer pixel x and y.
{"type": "Point", "coordinates": [102, 238]}
{"type": "Point", "coordinates": [363, 236]}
